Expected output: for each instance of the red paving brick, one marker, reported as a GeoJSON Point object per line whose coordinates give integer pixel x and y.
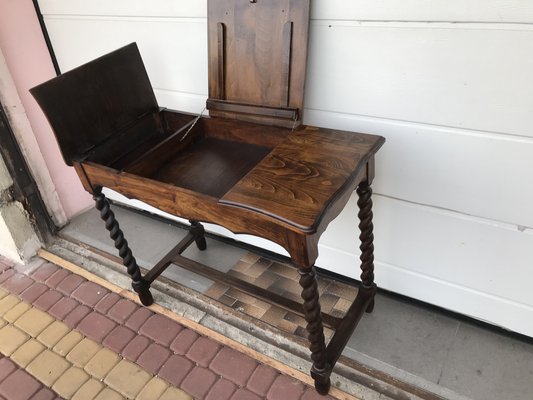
{"type": "Point", "coordinates": [63, 307]}
{"type": "Point", "coordinates": [153, 358]}
{"type": "Point", "coordinates": [56, 278]}
{"type": "Point", "coordinates": [34, 292]}
{"type": "Point", "coordinates": [17, 283]}
{"type": "Point", "coordinates": [44, 394]}
{"type": "Point", "coordinates": [107, 302]}
{"type": "Point", "coordinates": [222, 390]}
{"type": "Point", "coordinates": [202, 351]}
{"type": "Point", "coordinates": [4, 276]}
{"type": "Point", "coordinates": [285, 388]}
{"type": "Point", "coordinates": [121, 310]}
{"type": "Point", "coordinates": [96, 326]}
{"type": "Point", "coordinates": [243, 394]}
{"type": "Point", "coordinates": [76, 315]}
{"type": "Point", "coordinates": [89, 293]}
{"type": "Point", "coordinates": [175, 369]}
{"type": "Point", "coordinates": [6, 368]}
{"type": "Point", "coordinates": [232, 365]}
{"type": "Point", "coordinates": [262, 379]}
{"type": "Point", "coordinates": [4, 266]}
{"type": "Point", "coordinates": [198, 382]}
{"type": "Point", "coordinates": [160, 329]}
{"type": "Point", "coordinates": [47, 300]}
{"type": "Point", "coordinates": [184, 341]}
{"type": "Point", "coordinates": [138, 318]}
{"type": "Point", "coordinates": [70, 283]}
{"type": "Point", "coordinates": [20, 385]}
{"type": "Point", "coordinates": [134, 348]}
{"type": "Point", "coordinates": [119, 338]}
{"type": "Point", "coordinates": [311, 394]}
{"type": "Point", "coordinates": [215, 373]}
{"type": "Point", "coordinates": [44, 272]}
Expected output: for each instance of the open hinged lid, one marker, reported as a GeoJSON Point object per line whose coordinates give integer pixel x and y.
{"type": "Point", "coordinates": [104, 98]}
{"type": "Point", "coordinates": [257, 59]}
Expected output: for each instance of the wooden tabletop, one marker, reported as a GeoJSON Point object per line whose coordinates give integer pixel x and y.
{"type": "Point", "coordinates": [304, 175]}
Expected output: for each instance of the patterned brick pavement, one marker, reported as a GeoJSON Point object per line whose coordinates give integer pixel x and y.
{"type": "Point", "coordinates": [62, 336]}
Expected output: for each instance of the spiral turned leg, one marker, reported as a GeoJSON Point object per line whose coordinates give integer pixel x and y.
{"type": "Point", "coordinates": [367, 238]}
{"type": "Point", "coordinates": [111, 224]}
{"type": "Point", "coordinates": [320, 370]}
{"type": "Point", "coordinates": [198, 230]}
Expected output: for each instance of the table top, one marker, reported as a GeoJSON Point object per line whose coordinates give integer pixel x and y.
{"type": "Point", "coordinates": [304, 175]}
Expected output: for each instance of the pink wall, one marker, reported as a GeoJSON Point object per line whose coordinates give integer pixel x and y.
{"type": "Point", "coordinates": [29, 62]}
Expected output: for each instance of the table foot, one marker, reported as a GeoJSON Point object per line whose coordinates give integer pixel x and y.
{"type": "Point", "coordinates": [370, 307]}
{"type": "Point", "coordinates": [197, 229]}
{"type": "Point", "coordinates": [322, 380]}
{"type": "Point", "coordinates": [143, 290]}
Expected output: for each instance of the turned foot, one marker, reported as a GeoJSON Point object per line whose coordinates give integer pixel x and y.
{"type": "Point", "coordinates": [322, 380]}
{"type": "Point", "coordinates": [317, 342]}
{"type": "Point", "coordinates": [370, 307]}
{"type": "Point", "coordinates": [323, 387]}
{"type": "Point", "coordinates": [143, 290]}
{"type": "Point", "coordinates": [197, 229]}
{"type": "Point", "coordinates": [201, 244]}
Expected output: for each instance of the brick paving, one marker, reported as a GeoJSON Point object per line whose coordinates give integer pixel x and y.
{"type": "Point", "coordinates": [64, 337]}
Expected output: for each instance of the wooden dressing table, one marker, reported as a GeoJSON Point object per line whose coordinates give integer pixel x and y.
{"type": "Point", "coordinates": [251, 167]}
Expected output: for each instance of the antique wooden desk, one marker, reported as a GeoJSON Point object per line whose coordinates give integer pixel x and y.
{"type": "Point", "coordinates": [250, 167]}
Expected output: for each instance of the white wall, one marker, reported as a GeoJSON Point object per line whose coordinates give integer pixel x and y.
{"type": "Point", "coordinates": [448, 83]}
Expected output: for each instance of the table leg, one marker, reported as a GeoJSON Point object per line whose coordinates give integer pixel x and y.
{"type": "Point", "coordinates": [198, 230]}
{"type": "Point", "coordinates": [320, 370]}
{"type": "Point", "coordinates": [138, 283]}
{"type": "Point", "coordinates": [366, 237]}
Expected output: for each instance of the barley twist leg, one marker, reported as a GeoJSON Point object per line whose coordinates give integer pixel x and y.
{"type": "Point", "coordinates": [111, 224]}
{"type": "Point", "coordinates": [366, 237]}
{"type": "Point", "coordinates": [320, 370]}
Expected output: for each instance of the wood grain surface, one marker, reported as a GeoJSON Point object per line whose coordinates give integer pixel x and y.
{"type": "Point", "coordinates": [257, 57]}
{"type": "Point", "coordinates": [302, 176]}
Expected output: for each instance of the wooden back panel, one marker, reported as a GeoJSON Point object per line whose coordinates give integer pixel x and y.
{"type": "Point", "coordinates": [257, 59]}
{"type": "Point", "coordinates": [91, 103]}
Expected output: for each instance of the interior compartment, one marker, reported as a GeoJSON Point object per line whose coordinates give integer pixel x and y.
{"type": "Point", "coordinates": [202, 155]}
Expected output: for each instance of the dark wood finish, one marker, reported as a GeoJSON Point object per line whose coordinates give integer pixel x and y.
{"type": "Point", "coordinates": [89, 111]}
{"type": "Point", "coordinates": [221, 61]}
{"type": "Point", "coordinates": [275, 112]}
{"type": "Point", "coordinates": [364, 191]}
{"type": "Point", "coordinates": [286, 65]}
{"type": "Point", "coordinates": [196, 234]}
{"type": "Point", "coordinates": [257, 57]}
{"type": "Point", "coordinates": [250, 167]}
{"type": "Point", "coordinates": [139, 284]}
{"type": "Point", "coordinates": [301, 176]}
{"type": "Point", "coordinates": [210, 166]}
{"type": "Point", "coordinates": [164, 262]}
{"type": "Point", "coordinates": [197, 229]}
{"type": "Point", "coordinates": [320, 370]}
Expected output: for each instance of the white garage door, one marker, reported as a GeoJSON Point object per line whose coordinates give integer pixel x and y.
{"type": "Point", "coordinates": [448, 83]}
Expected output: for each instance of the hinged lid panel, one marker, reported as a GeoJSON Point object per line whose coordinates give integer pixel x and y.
{"type": "Point", "coordinates": [89, 104]}
{"type": "Point", "coordinates": [257, 59]}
